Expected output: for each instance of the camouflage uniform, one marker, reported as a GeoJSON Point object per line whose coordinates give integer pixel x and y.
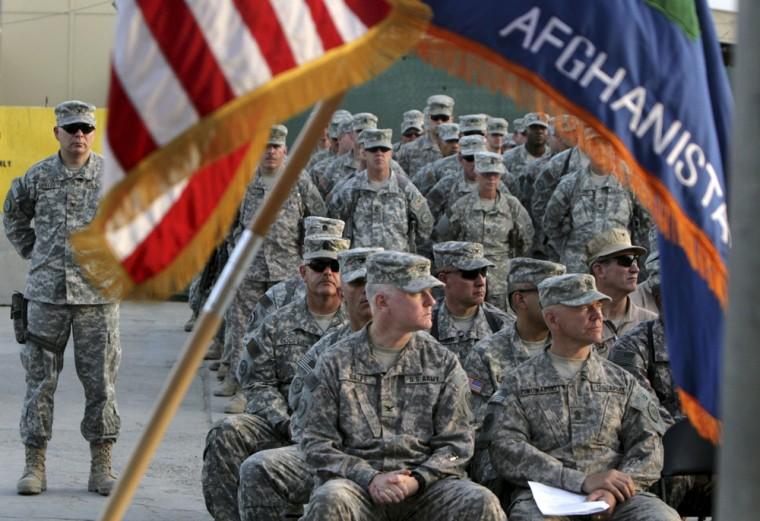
{"type": "Point", "coordinates": [381, 217]}
{"type": "Point", "coordinates": [543, 428]}
{"type": "Point", "coordinates": [277, 259]}
{"type": "Point", "coordinates": [340, 172]}
{"type": "Point", "coordinates": [276, 297]}
{"type": "Point", "coordinates": [265, 374]}
{"type": "Point", "coordinates": [433, 172]}
{"type": "Point", "coordinates": [546, 181]}
{"type": "Point", "coordinates": [412, 119]}
{"type": "Point", "coordinates": [517, 161]}
{"type": "Point", "coordinates": [504, 230]}
{"type": "Point", "coordinates": [365, 420]}
{"type": "Point", "coordinates": [423, 150]}
{"type": "Point", "coordinates": [60, 201]}
{"type": "Point", "coordinates": [461, 342]}
{"type": "Point", "coordinates": [321, 172]}
{"type": "Point", "coordinates": [580, 209]}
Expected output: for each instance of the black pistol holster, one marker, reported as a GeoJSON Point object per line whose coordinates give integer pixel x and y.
{"type": "Point", "coordinates": [19, 317]}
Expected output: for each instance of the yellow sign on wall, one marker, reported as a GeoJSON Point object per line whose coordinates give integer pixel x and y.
{"type": "Point", "coordinates": [26, 136]}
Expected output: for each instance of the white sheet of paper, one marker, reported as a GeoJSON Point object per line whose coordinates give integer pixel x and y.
{"type": "Point", "coordinates": [554, 501]}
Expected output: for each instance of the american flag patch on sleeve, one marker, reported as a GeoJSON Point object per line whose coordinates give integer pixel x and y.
{"type": "Point", "coordinates": [476, 386]}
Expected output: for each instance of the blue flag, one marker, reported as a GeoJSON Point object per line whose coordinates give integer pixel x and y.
{"type": "Point", "coordinates": [648, 76]}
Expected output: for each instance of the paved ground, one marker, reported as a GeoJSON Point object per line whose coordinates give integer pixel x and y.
{"type": "Point", "coordinates": [151, 336]}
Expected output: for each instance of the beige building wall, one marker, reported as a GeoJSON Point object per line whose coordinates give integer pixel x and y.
{"type": "Point", "coordinates": [54, 50]}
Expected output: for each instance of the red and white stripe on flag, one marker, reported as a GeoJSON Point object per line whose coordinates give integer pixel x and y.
{"type": "Point", "coordinates": [195, 87]}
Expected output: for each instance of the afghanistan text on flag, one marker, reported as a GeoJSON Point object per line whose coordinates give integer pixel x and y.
{"type": "Point", "coordinates": [195, 87]}
{"type": "Point", "coordinates": [647, 75]}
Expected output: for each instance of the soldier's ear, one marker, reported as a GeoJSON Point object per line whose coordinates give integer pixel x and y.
{"type": "Point", "coordinates": [302, 271]}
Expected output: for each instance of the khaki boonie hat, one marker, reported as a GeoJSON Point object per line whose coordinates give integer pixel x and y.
{"type": "Point", "coordinates": [333, 129]}
{"type": "Point", "coordinates": [314, 225]}
{"type": "Point", "coordinates": [440, 104]}
{"type": "Point", "coordinates": [473, 123]}
{"type": "Point", "coordinates": [406, 271]}
{"type": "Point", "coordinates": [74, 111]}
{"type": "Point", "coordinates": [324, 247]}
{"type": "Point", "coordinates": [527, 273]}
{"type": "Point", "coordinates": [277, 135]}
{"type": "Point", "coordinates": [536, 118]}
{"type": "Point", "coordinates": [363, 121]}
{"type": "Point", "coordinates": [378, 137]}
{"type": "Point", "coordinates": [471, 145]}
{"type": "Point", "coordinates": [447, 131]}
{"type": "Point", "coordinates": [611, 242]}
{"type": "Point", "coordinates": [460, 255]}
{"type": "Point", "coordinates": [498, 126]}
{"type": "Point", "coordinates": [572, 289]}
{"type": "Point", "coordinates": [489, 162]}
{"type": "Point", "coordinates": [353, 263]}
{"type": "Point", "coordinates": [412, 119]}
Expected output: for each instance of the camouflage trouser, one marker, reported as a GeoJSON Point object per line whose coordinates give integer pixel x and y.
{"type": "Point", "coordinates": [641, 507]}
{"type": "Point", "coordinates": [497, 284]}
{"type": "Point", "coordinates": [194, 294]}
{"type": "Point", "coordinates": [449, 498]}
{"type": "Point", "coordinates": [236, 319]}
{"type": "Point", "coordinates": [97, 354]}
{"type": "Point", "coordinates": [274, 484]}
{"type": "Point", "coordinates": [229, 442]}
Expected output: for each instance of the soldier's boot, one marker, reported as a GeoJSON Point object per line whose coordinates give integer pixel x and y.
{"type": "Point", "coordinates": [190, 324]}
{"type": "Point", "coordinates": [33, 481]}
{"type": "Point", "coordinates": [236, 405]}
{"type": "Point", "coordinates": [228, 387]}
{"type": "Point", "coordinates": [102, 478]}
{"type": "Point", "coordinates": [214, 366]}
{"type": "Point", "coordinates": [214, 352]}
{"type": "Point", "coordinates": [221, 373]}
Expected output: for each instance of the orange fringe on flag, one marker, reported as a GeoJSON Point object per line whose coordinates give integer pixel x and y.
{"type": "Point", "coordinates": [707, 426]}
{"type": "Point", "coordinates": [247, 118]}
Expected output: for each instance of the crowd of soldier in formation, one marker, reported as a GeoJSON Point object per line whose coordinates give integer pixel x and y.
{"type": "Point", "coordinates": [432, 323]}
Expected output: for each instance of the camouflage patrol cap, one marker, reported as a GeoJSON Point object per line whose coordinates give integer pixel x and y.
{"type": "Point", "coordinates": [363, 121]}
{"type": "Point", "coordinates": [565, 123]}
{"type": "Point", "coordinates": [333, 129]}
{"type": "Point", "coordinates": [353, 263]}
{"type": "Point", "coordinates": [406, 271]}
{"type": "Point", "coordinates": [572, 289]}
{"type": "Point", "coordinates": [346, 126]}
{"type": "Point", "coordinates": [489, 162]}
{"type": "Point", "coordinates": [377, 137]}
{"type": "Point", "coordinates": [412, 119]}
{"type": "Point", "coordinates": [440, 104]}
{"type": "Point", "coordinates": [471, 145]}
{"type": "Point", "coordinates": [519, 124]}
{"type": "Point", "coordinates": [277, 135]}
{"type": "Point", "coordinates": [609, 243]}
{"type": "Point", "coordinates": [460, 255]}
{"type": "Point", "coordinates": [536, 118]}
{"type": "Point", "coordinates": [498, 126]}
{"type": "Point", "coordinates": [74, 111]}
{"type": "Point", "coordinates": [447, 131]}
{"type": "Point", "coordinates": [526, 273]}
{"type": "Point", "coordinates": [313, 225]}
{"type": "Point", "coordinates": [473, 123]}
{"type": "Point", "coordinates": [323, 247]}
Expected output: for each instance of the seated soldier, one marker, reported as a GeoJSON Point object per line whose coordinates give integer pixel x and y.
{"type": "Point", "coordinates": [462, 317]}
{"type": "Point", "coordinates": [277, 482]}
{"type": "Point", "coordinates": [571, 419]}
{"type": "Point", "coordinates": [388, 432]}
{"type": "Point", "coordinates": [266, 370]}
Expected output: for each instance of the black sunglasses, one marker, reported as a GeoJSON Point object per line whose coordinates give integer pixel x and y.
{"type": "Point", "coordinates": [72, 128]}
{"type": "Point", "coordinates": [319, 265]}
{"type": "Point", "coordinates": [473, 274]}
{"type": "Point", "coordinates": [412, 133]}
{"type": "Point", "coordinates": [372, 150]}
{"type": "Point", "coordinates": [440, 117]}
{"type": "Point", "coordinates": [469, 159]}
{"type": "Point", "coordinates": [626, 261]}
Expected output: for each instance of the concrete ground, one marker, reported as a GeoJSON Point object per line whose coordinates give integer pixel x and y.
{"type": "Point", "coordinates": [151, 338]}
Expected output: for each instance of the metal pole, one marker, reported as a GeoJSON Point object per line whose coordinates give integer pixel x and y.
{"type": "Point", "coordinates": [739, 458]}
{"type": "Point", "coordinates": [183, 372]}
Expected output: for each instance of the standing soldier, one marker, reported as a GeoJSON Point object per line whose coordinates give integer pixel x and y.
{"type": "Point", "coordinates": [431, 173]}
{"type": "Point", "coordinates": [332, 135]}
{"type": "Point", "coordinates": [413, 156]}
{"type": "Point", "coordinates": [60, 196]}
{"type": "Point", "coordinates": [380, 208]}
{"type": "Point", "coordinates": [462, 317]}
{"type": "Point", "coordinates": [517, 159]}
{"type": "Point", "coordinates": [496, 135]}
{"type": "Point", "coordinates": [493, 218]}
{"type": "Point", "coordinates": [319, 171]}
{"type": "Point", "coordinates": [412, 125]}
{"type": "Point", "coordinates": [348, 164]}
{"type": "Point", "coordinates": [388, 432]}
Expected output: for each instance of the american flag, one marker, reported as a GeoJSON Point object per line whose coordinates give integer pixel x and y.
{"type": "Point", "coordinates": [195, 86]}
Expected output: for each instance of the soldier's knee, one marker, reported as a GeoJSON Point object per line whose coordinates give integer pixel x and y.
{"type": "Point", "coordinates": [220, 434]}
{"type": "Point", "coordinates": [252, 470]}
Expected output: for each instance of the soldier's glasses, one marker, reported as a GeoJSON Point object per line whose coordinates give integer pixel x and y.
{"type": "Point", "coordinates": [372, 150]}
{"type": "Point", "coordinates": [319, 265]}
{"type": "Point", "coordinates": [625, 260]}
{"type": "Point", "coordinates": [473, 274]}
{"type": "Point", "coordinates": [72, 128]}
{"type": "Point", "coordinates": [469, 159]}
{"type": "Point", "coordinates": [440, 117]}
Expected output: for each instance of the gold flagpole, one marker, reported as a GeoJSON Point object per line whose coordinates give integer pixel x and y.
{"type": "Point", "coordinates": [184, 370]}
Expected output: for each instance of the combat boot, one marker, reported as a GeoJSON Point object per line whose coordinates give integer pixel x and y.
{"type": "Point", "coordinates": [227, 387]}
{"type": "Point", "coordinates": [102, 478]}
{"type": "Point", "coordinates": [33, 481]}
{"type": "Point", "coordinates": [214, 351]}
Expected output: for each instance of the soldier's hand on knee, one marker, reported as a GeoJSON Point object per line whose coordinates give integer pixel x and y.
{"type": "Point", "coordinates": [618, 483]}
{"type": "Point", "coordinates": [386, 488]}
{"type": "Point", "coordinates": [605, 495]}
